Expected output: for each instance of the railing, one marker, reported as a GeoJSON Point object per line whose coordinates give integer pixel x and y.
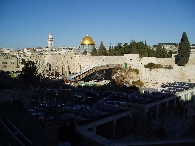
{"type": "Point", "coordinates": [12, 135]}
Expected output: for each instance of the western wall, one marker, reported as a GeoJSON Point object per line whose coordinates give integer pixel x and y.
{"type": "Point", "coordinates": [152, 78]}
{"type": "Point", "coordinates": [70, 63]}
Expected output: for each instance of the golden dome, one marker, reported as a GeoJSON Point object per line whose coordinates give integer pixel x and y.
{"type": "Point", "coordinates": [87, 40]}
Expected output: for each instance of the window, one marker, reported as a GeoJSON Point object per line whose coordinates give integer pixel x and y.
{"type": "Point", "coordinates": [4, 62]}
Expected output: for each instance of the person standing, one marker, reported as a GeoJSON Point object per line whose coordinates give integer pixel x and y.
{"type": "Point", "coordinates": [63, 134]}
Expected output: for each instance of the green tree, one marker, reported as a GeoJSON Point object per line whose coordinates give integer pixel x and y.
{"type": "Point", "coordinates": [111, 52]}
{"type": "Point", "coordinates": [183, 50]}
{"type": "Point", "coordinates": [169, 54]}
{"type": "Point", "coordinates": [133, 48]}
{"type": "Point", "coordinates": [121, 50]}
{"type": "Point", "coordinates": [126, 49]}
{"type": "Point", "coordinates": [29, 72]}
{"type": "Point", "coordinates": [118, 50]}
{"type": "Point", "coordinates": [84, 52]}
{"type": "Point", "coordinates": [142, 49]}
{"type": "Point", "coordinates": [151, 53]}
{"type": "Point", "coordinates": [94, 52]}
{"type": "Point", "coordinates": [161, 52]}
{"type": "Point", "coordinates": [102, 50]}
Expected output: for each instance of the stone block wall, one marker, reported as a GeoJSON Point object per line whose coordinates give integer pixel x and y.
{"type": "Point", "coordinates": [65, 63]}
{"type": "Point", "coordinates": [155, 77]}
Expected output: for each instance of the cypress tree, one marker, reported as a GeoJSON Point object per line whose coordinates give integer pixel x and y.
{"type": "Point", "coordinates": [94, 52]}
{"type": "Point", "coordinates": [183, 50]}
{"type": "Point", "coordinates": [102, 50]}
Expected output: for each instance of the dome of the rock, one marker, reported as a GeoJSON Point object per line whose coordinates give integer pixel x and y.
{"type": "Point", "coordinates": [87, 40]}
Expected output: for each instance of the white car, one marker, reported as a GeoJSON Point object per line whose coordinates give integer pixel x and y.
{"type": "Point", "coordinates": [32, 112]}
{"type": "Point", "coordinates": [79, 107]}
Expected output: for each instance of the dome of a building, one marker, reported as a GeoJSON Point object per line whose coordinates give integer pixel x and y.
{"type": "Point", "coordinates": [87, 40]}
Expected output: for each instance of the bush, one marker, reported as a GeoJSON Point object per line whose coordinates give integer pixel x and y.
{"type": "Point", "coordinates": [168, 67]}
{"type": "Point", "coordinates": [138, 82]}
{"type": "Point", "coordinates": [136, 71]}
{"type": "Point", "coordinates": [152, 66]}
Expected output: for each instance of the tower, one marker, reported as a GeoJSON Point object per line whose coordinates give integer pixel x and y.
{"type": "Point", "coordinates": [50, 40]}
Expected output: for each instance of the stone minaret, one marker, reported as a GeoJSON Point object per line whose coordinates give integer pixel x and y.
{"type": "Point", "coordinates": [50, 40]}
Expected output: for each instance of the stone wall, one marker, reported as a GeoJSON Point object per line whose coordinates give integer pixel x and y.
{"type": "Point", "coordinates": [65, 63]}
{"type": "Point", "coordinates": [163, 61]}
{"type": "Point", "coordinates": [155, 77]}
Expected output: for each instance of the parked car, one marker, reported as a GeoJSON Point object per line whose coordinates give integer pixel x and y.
{"type": "Point", "coordinates": [41, 110]}
{"type": "Point", "coordinates": [90, 97]}
{"type": "Point", "coordinates": [116, 103]}
{"type": "Point", "coordinates": [89, 100]}
{"type": "Point", "coordinates": [32, 112]}
{"type": "Point", "coordinates": [78, 96]}
{"type": "Point", "coordinates": [114, 97]}
{"type": "Point", "coordinates": [67, 108]}
{"type": "Point", "coordinates": [78, 107]}
{"type": "Point", "coordinates": [105, 94]}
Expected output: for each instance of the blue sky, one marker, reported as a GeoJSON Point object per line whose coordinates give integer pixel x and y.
{"type": "Point", "coordinates": [27, 23]}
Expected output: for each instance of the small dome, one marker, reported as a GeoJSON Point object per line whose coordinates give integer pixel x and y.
{"type": "Point", "coordinates": [87, 40]}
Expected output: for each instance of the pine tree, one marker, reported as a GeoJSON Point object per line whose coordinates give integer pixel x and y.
{"type": "Point", "coordinates": [161, 52]}
{"type": "Point", "coordinates": [94, 52]}
{"type": "Point", "coordinates": [111, 52]}
{"type": "Point", "coordinates": [102, 50]}
{"type": "Point", "coordinates": [183, 50]}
